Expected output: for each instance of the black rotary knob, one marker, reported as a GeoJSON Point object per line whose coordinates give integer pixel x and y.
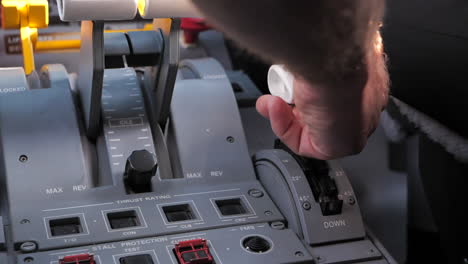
{"type": "Point", "coordinates": [256, 244]}
{"type": "Point", "coordinates": [140, 168]}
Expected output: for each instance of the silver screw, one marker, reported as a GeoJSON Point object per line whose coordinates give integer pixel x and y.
{"type": "Point", "coordinates": [256, 193]}
{"type": "Point", "coordinates": [28, 247]}
{"type": "Point", "coordinates": [306, 205]}
{"type": "Point", "coordinates": [278, 225]}
{"type": "Point", "coordinates": [23, 158]}
{"type": "Point", "coordinates": [351, 200]}
{"type": "Point", "coordinates": [320, 259]}
{"type": "Point", "coordinates": [299, 254]}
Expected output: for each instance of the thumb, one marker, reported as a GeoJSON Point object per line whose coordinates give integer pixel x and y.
{"type": "Point", "coordinates": [283, 120]}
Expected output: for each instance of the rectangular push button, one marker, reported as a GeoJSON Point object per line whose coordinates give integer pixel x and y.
{"type": "Point", "coordinates": [193, 252]}
{"type": "Point", "coordinates": [65, 226]}
{"type": "Point", "coordinates": [178, 213]}
{"type": "Point", "coordinates": [231, 207]}
{"type": "Point", "coordinates": [126, 219]}
{"type": "Point", "coordinates": [78, 259]}
{"type": "Point", "coordinates": [137, 259]}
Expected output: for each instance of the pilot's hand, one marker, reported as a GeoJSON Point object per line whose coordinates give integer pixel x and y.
{"type": "Point", "coordinates": [330, 122]}
{"type": "Point", "coordinates": [329, 44]}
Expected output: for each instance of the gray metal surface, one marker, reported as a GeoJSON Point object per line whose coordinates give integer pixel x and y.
{"type": "Point", "coordinates": [125, 122]}
{"type": "Point", "coordinates": [166, 75]}
{"type": "Point", "coordinates": [52, 183]}
{"type": "Point", "coordinates": [211, 44]}
{"type": "Point", "coordinates": [3, 258]}
{"type": "Point", "coordinates": [2, 235]}
{"type": "Point", "coordinates": [316, 228]}
{"type": "Point", "coordinates": [205, 68]}
{"type": "Point", "coordinates": [382, 193]}
{"type": "Point", "coordinates": [362, 250]}
{"type": "Point", "coordinates": [217, 137]}
{"type": "Point", "coordinates": [214, 43]}
{"type": "Point", "coordinates": [245, 89]}
{"type": "Point", "coordinates": [225, 245]}
{"type": "Point", "coordinates": [116, 44]}
{"type": "Point", "coordinates": [50, 161]}
{"type": "Point", "coordinates": [91, 73]}
{"type": "Point", "coordinates": [12, 80]}
{"type": "Point", "coordinates": [145, 42]}
{"type": "Point", "coordinates": [54, 76]}
{"type": "Point", "coordinates": [374, 262]}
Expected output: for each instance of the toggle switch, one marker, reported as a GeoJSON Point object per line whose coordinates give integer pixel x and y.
{"type": "Point", "coordinates": [140, 168]}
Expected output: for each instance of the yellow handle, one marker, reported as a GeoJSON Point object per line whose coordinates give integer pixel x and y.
{"type": "Point", "coordinates": [28, 16]}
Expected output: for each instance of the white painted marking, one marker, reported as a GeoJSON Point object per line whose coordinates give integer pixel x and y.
{"type": "Point", "coordinates": [178, 237]}
{"type": "Point", "coordinates": [187, 194]}
{"type": "Point", "coordinates": [126, 122]}
{"type": "Point", "coordinates": [140, 138]}
{"type": "Point", "coordinates": [117, 156]}
{"type": "Point", "coordinates": [114, 139]}
{"type": "Point", "coordinates": [171, 254]}
{"type": "Point", "coordinates": [74, 207]}
{"type": "Point", "coordinates": [69, 252]}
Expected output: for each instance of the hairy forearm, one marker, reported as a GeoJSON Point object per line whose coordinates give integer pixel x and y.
{"type": "Point", "coordinates": [324, 41]}
{"type": "Point", "coordinates": [340, 122]}
{"type": "Point", "coordinates": [333, 48]}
